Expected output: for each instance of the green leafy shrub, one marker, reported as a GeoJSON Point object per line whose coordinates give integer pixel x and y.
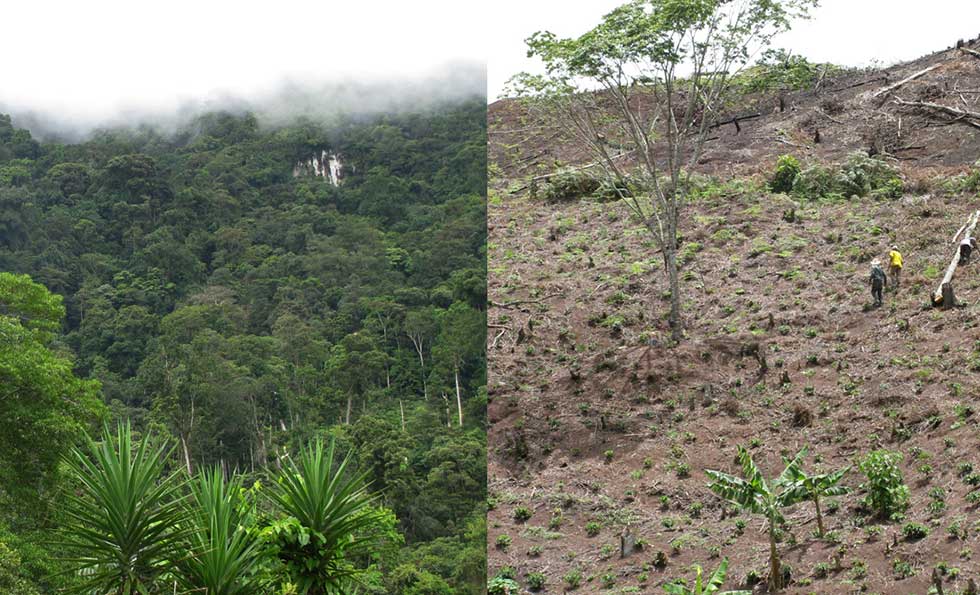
{"type": "Point", "coordinates": [886, 489]}
{"type": "Point", "coordinates": [569, 185]}
{"type": "Point", "coordinates": [968, 182]}
{"type": "Point", "coordinates": [535, 581]}
{"type": "Point", "coordinates": [780, 69]}
{"type": "Point", "coordinates": [971, 182]}
{"type": "Point", "coordinates": [500, 585]}
{"type": "Point", "coordinates": [902, 568]}
{"type": "Point", "coordinates": [859, 175]}
{"type": "Point", "coordinates": [11, 579]}
{"type": "Point", "coordinates": [787, 170]}
{"type": "Point", "coordinates": [863, 175]}
{"type": "Point", "coordinates": [913, 531]}
{"type": "Point", "coordinates": [816, 181]}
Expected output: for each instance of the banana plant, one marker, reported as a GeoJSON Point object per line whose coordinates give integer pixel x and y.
{"type": "Point", "coordinates": [225, 555]}
{"type": "Point", "coordinates": [330, 520]}
{"type": "Point", "coordinates": [702, 587]}
{"type": "Point", "coordinates": [753, 493]}
{"type": "Point", "coordinates": [818, 486]}
{"type": "Point", "coordinates": [125, 515]}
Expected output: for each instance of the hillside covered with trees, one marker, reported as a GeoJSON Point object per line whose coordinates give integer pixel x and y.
{"type": "Point", "coordinates": [219, 292]}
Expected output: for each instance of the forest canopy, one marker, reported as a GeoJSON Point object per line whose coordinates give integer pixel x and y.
{"type": "Point", "coordinates": [217, 287]}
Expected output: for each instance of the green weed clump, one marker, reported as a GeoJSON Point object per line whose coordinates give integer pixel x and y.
{"type": "Point", "coordinates": [502, 585]}
{"type": "Point", "coordinates": [787, 170]}
{"type": "Point", "coordinates": [569, 185]}
{"type": "Point", "coordinates": [863, 175]}
{"type": "Point", "coordinates": [962, 183]}
{"type": "Point", "coordinates": [860, 175]}
{"type": "Point", "coordinates": [779, 69]}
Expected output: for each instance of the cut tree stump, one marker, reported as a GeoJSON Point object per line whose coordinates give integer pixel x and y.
{"type": "Point", "coordinates": [627, 543]}
{"type": "Point", "coordinates": [937, 581]}
{"type": "Point", "coordinates": [949, 300]}
{"type": "Point", "coordinates": [945, 290]}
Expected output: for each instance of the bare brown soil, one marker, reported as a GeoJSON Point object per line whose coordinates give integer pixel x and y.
{"type": "Point", "coordinates": [595, 419]}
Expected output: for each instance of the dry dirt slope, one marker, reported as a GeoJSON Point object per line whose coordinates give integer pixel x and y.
{"type": "Point", "coordinates": [843, 110]}
{"type": "Point", "coordinates": [597, 425]}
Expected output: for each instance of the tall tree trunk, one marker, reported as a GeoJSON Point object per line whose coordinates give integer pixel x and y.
{"type": "Point", "coordinates": [418, 343]}
{"type": "Point", "coordinates": [425, 385]}
{"type": "Point", "coordinates": [259, 451]}
{"type": "Point", "coordinates": [350, 402]}
{"type": "Point", "coordinates": [401, 407]}
{"type": "Point", "coordinates": [184, 438]}
{"type": "Point", "coordinates": [449, 417]}
{"type": "Point", "coordinates": [775, 573]}
{"type": "Point", "coordinates": [187, 454]}
{"type": "Point", "coordinates": [459, 397]}
{"type": "Point", "coordinates": [670, 254]}
{"type": "Point", "coordinates": [816, 502]}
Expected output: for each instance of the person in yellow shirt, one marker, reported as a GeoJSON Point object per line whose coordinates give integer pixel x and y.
{"type": "Point", "coordinates": [895, 266]}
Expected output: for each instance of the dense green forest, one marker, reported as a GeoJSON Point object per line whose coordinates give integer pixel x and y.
{"type": "Point", "coordinates": [202, 285]}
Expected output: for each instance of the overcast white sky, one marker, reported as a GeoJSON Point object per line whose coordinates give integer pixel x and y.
{"type": "Point", "coordinates": [94, 58]}
{"type": "Point", "coordinates": [848, 32]}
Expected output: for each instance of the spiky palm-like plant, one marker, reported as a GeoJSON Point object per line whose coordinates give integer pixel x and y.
{"type": "Point", "coordinates": [225, 556]}
{"type": "Point", "coordinates": [330, 519]}
{"type": "Point", "coordinates": [756, 495]}
{"type": "Point", "coordinates": [125, 516]}
{"type": "Point", "coordinates": [702, 587]}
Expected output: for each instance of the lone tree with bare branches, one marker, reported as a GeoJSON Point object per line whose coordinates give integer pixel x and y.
{"type": "Point", "coordinates": [647, 83]}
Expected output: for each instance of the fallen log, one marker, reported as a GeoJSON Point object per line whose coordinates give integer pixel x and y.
{"type": "Point", "coordinates": [956, 236]}
{"type": "Point", "coordinates": [861, 84]}
{"type": "Point", "coordinates": [973, 53]}
{"type": "Point", "coordinates": [960, 115]}
{"type": "Point", "coordinates": [735, 121]}
{"type": "Point", "coordinates": [944, 292]}
{"type": "Point", "coordinates": [905, 80]}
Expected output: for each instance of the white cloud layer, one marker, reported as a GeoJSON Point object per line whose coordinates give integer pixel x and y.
{"type": "Point", "coordinates": [95, 60]}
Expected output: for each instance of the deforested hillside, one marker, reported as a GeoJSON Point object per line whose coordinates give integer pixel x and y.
{"type": "Point", "coordinates": [602, 429]}
{"type": "Point", "coordinates": [925, 121]}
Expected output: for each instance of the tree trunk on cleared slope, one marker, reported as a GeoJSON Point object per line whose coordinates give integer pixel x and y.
{"type": "Point", "coordinates": [951, 269]}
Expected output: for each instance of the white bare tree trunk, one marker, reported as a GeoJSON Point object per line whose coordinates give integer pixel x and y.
{"type": "Point", "coordinates": [187, 454]}
{"type": "Point", "coordinates": [459, 396]}
{"type": "Point", "coordinates": [418, 343]}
